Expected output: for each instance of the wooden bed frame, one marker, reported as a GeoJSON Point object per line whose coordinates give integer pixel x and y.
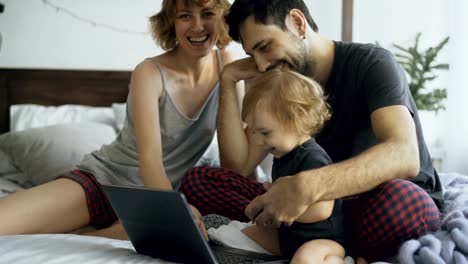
{"type": "Point", "coordinates": [58, 87]}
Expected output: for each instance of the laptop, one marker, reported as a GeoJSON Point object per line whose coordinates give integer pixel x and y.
{"type": "Point", "coordinates": [159, 224]}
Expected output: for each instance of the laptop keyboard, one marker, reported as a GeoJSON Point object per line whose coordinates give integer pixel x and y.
{"type": "Point", "coordinates": [228, 258]}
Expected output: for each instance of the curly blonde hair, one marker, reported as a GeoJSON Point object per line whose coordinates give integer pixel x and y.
{"type": "Point", "coordinates": [162, 23]}
{"type": "Point", "coordinates": [296, 101]}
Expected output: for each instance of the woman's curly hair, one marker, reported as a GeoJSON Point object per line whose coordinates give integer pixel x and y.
{"type": "Point", "coordinates": [162, 23]}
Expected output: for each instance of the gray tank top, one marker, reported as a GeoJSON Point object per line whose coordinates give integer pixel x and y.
{"type": "Point", "coordinates": [184, 140]}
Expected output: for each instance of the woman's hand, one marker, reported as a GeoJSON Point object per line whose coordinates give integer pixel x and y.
{"type": "Point", "coordinates": [198, 220]}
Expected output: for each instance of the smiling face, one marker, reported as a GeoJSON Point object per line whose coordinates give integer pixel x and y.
{"type": "Point", "coordinates": [268, 131]}
{"type": "Point", "coordinates": [195, 27]}
{"type": "Point", "coordinates": [271, 46]}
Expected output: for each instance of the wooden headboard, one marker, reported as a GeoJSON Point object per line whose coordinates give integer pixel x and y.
{"type": "Point", "coordinates": [58, 87]}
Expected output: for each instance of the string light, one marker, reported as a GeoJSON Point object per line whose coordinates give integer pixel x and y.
{"type": "Point", "coordinates": [77, 17]}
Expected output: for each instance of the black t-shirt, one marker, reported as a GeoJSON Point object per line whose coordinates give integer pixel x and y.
{"type": "Point", "coordinates": [364, 78]}
{"type": "Point", "coordinates": [307, 156]}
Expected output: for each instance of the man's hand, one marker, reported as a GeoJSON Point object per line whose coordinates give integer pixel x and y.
{"type": "Point", "coordinates": [243, 69]}
{"type": "Point", "coordinates": [198, 219]}
{"type": "Point", "coordinates": [285, 201]}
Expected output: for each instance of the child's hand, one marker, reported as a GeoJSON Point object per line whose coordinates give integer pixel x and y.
{"type": "Point", "coordinates": [198, 219]}
{"type": "Point", "coordinates": [266, 185]}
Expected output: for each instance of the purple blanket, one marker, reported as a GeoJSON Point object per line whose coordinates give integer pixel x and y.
{"type": "Point", "coordinates": [450, 243]}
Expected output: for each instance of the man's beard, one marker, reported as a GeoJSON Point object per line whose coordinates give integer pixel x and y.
{"type": "Point", "coordinates": [299, 61]}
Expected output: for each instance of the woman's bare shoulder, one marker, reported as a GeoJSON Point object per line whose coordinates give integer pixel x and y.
{"type": "Point", "coordinates": [146, 69]}
{"type": "Point", "coordinates": [145, 75]}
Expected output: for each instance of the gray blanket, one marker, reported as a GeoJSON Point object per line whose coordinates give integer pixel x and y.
{"type": "Point", "coordinates": [450, 243]}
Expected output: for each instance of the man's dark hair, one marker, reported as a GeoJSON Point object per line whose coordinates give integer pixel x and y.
{"type": "Point", "coordinates": [266, 12]}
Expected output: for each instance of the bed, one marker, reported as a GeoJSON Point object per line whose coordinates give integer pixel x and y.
{"type": "Point", "coordinates": [48, 120]}
{"type": "Point", "coordinates": [98, 90]}
{"type": "Point", "coordinates": [32, 152]}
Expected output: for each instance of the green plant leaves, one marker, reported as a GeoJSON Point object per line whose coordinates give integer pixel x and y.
{"type": "Point", "coordinates": [420, 67]}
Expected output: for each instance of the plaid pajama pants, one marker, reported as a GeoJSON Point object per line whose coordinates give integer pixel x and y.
{"type": "Point", "coordinates": [100, 211]}
{"type": "Point", "coordinates": [377, 222]}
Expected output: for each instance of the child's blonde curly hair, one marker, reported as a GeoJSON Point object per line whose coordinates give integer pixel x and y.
{"type": "Point", "coordinates": [296, 101]}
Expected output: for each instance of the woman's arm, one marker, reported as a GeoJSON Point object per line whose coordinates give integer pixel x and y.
{"type": "Point", "coordinates": [145, 91]}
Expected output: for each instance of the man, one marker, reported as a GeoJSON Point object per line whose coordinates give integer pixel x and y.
{"type": "Point", "coordinates": [374, 136]}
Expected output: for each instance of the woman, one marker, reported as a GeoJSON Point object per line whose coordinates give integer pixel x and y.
{"type": "Point", "coordinates": [171, 119]}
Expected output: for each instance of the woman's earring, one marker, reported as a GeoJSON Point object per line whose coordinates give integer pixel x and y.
{"type": "Point", "coordinates": [303, 36]}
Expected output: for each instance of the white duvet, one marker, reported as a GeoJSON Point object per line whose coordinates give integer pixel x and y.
{"type": "Point", "coordinates": [76, 249]}
{"type": "Point", "coordinates": [68, 248]}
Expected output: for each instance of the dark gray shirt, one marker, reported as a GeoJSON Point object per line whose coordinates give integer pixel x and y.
{"type": "Point", "coordinates": [364, 78]}
{"type": "Point", "coordinates": [307, 156]}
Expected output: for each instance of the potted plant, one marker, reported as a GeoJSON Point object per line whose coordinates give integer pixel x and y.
{"type": "Point", "coordinates": [420, 66]}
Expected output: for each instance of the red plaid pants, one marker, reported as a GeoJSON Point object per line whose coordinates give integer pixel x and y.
{"type": "Point", "coordinates": [100, 211]}
{"type": "Point", "coordinates": [377, 222]}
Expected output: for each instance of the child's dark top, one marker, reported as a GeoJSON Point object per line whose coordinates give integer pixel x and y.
{"type": "Point", "coordinates": [307, 156]}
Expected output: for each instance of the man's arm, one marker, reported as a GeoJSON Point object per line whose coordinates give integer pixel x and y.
{"type": "Point", "coordinates": [236, 153]}
{"type": "Point", "coordinates": [395, 156]}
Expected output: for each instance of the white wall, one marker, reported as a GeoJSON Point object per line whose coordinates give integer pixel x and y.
{"type": "Point", "coordinates": [455, 119]}
{"type": "Point", "coordinates": [35, 35]}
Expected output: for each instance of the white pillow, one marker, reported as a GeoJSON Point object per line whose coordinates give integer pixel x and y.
{"type": "Point", "coordinates": [120, 111]}
{"type": "Point", "coordinates": [7, 187]}
{"type": "Point", "coordinates": [9, 173]}
{"type": "Point", "coordinates": [44, 153]}
{"type": "Point", "coordinates": [211, 155]}
{"type": "Point", "coordinates": [29, 115]}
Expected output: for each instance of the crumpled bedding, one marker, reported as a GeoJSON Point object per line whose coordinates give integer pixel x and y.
{"type": "Point", "coordinates": [450, 243]}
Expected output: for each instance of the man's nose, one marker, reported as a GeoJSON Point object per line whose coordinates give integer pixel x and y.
{"type": "Point", "coordinates": [262, 63]}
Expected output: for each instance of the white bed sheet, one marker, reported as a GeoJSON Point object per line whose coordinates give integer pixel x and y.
{"type": "Point", "coordinates": [69, 248]}
{"type": "Point", "coordinates": [77, 249]}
